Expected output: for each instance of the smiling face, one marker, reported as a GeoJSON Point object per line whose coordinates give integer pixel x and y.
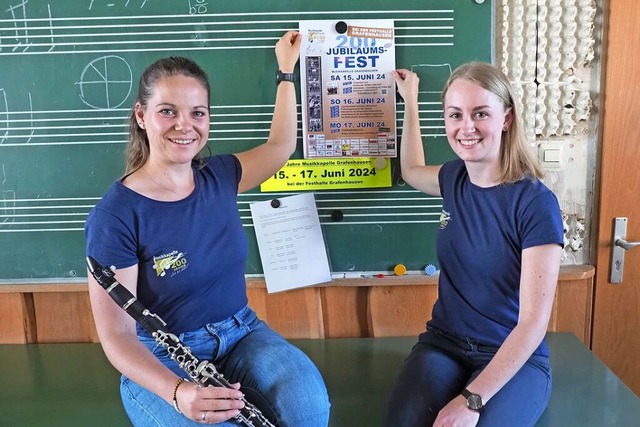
{"type": "Point", "coordinates": [474, 121]}
{"type": "Point", "coordinates": [176, 120]}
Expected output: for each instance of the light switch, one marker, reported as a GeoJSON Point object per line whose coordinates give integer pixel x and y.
{"type": "Point", "coordinates": [551, 155]}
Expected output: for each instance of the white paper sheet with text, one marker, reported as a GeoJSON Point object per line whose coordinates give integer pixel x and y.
{"type": "Point", "coordinates": [290, 242]}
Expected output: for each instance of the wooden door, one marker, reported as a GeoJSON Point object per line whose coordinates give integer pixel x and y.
{"type": "Point", "coordinates": [616, 321]}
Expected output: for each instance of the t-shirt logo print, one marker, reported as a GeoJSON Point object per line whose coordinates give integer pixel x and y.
{"type": "Point", "coordinates": [174, 261]}
{"type": "Point", "coordinates": [445, 217]}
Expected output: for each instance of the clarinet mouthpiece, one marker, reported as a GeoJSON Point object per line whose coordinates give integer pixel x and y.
{"type": "Point", "coordinates": [93, 265]}
{"type": "Point", "coordinates": [104, 276]}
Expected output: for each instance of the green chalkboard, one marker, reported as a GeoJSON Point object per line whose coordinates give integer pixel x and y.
{"type": "Point", "coordinates": [67, 81]}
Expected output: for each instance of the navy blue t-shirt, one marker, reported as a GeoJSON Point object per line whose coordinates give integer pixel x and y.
{"type": "Point", "coordinates": [479, 243]}
{"type": "Point", "coordinates": [191, 253]}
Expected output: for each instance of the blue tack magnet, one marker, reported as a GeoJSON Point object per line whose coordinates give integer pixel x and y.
{"type": "Point", "coordinates": [430, 270]}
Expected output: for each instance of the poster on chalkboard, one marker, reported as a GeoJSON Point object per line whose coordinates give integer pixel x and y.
{"type": "Point", "coordinates": [348, 92]}
{"type": "Point", "coordinates": [290, 241]}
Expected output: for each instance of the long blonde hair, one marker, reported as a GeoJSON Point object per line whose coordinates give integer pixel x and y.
{"type": "Point", "coordinates": [517, 160]}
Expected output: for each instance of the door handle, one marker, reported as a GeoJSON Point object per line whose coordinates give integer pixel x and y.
{"type": "Point", "coordinates": [626, 245]}
{"type": "Point", "coordinates": [620, 245]}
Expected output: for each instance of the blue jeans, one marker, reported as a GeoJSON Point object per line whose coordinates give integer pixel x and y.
{"type": "Point", "coordinates": [440, 366]}
{"type": "Point", "coordinates": [245, 350]}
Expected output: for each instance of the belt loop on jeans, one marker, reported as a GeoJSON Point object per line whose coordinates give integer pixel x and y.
{"type": "Point", "coordinates": [465, 344]}
{"type": "Point", "coordinates": [472, 345]}
{"type": "Point", "coordinates": [239, 317]}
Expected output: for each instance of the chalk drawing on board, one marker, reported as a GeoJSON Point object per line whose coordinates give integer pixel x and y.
{"type": "Point", "coordinates": [4, 116]}
{"type": "Point", "coordinates": [7, 208]}
{"type": "Point", "coordinates": [19, 15]}
{"type": "Point", "coordinates": [432, 76]}
{"type": "Point", "coordinates": [7, 202]}
{"type": "Point", "coordinates": [31, 126]}
{"type": "Point", "coordinates": [6, 123]}
{"type": "Point", "coordinates": [106, 82]}
{"type": "Point", "coordinates": [197, 7]}
{"type": "Point", "coordinates": [112, 3]}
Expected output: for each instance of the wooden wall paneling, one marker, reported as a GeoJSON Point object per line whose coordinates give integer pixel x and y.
{"type": "Point", "coordinates": [392, 306]}
{"type": "Point", "coordinates": [572, 309]}
{"type": "Point", "coordinates": [257, 296]}
{"type": "Point", "coordinates": [403, 310]}
{"type": "Point", "coordinates": [64, 317]}
{"type": "Point", "coordinates": [295, 313]}
{"type": "Point", "coordinates": [17, 319]}
{"type": "Point", "coordinates": [345, 311]}
{"type": "Point", "coordinates": [400, 310]}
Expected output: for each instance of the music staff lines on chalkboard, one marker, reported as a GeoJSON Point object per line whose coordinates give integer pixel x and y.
{"type": "Point", "coordinates": [118, 34]}
{"type": "Point", "coordinates": [38, 215]}
{"type": "Point", "coordinates": [20, 28]}
{"type": "Point", "coordinates": [431, 118]}
{"type": "Point", "coordinates": [5, 127]}
{"type": "Point", "coordinates": [108, 126]}
{"type": "Point", "coordinates": [71, 127]}
{"type": "Point", "coordinates": [365, 207]}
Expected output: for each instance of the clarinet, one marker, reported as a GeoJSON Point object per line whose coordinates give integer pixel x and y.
{"type": "Point", "coordinates": [203, 373]}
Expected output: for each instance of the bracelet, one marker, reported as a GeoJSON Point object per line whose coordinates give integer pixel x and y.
{"type": "Point", "coordinates": [175, 390]}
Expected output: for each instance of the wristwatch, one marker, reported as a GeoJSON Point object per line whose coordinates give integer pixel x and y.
{"type": "Point", "coordinates": [474, 401]}
{"type": "Point", "coordinates": [284, 77]}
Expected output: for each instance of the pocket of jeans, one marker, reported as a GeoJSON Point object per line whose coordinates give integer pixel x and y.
{"type": "Point", "coordinates": [132, 388]}
{"type": "Point", "coordinates": [156, 349]}
{"type": "Point", "coordinates": [151, 344]}
{"type": "Point", "coordinates": [195, 338]}
{"type": "Point", "coordinates": [542, 363]}
{"type": "Point", "coordinates": [251, 321]}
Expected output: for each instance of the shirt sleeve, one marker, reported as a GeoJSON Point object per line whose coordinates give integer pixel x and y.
{"type": "Point", "coordinates": [229, 165]}
{"type": "Point", "coordinates": [445, 176]}
{"type": "Point", "coordinates": [541, 222]}
{"type": "Point", "coordinates": [109, 240]}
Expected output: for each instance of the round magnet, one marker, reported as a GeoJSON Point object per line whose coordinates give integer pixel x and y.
{"type": "Point", "coordinates": [341, 27]}
{"type": "Point", "coordinates": [399, 269]}
{"type": "Point", "coordinates": [275, 203]}
{"type": "Point", "coordinates": [336, 216]}
{"type": "Point", "coordinates": [380, 163]}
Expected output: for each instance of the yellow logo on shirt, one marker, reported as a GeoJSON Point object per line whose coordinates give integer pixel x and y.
{"type": "Point", "coordinates": [445, 217]}
{"type": "Point", "coordinates": [174, 261]}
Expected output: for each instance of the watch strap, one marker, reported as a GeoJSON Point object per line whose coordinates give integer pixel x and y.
{"type": "Point", "coordinates": [284, 77]}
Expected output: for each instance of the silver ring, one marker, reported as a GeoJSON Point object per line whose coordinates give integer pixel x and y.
{"type": "Point", "coordinates": [204, 415]}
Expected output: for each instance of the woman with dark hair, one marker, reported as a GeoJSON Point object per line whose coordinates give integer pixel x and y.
{"type": "Point", "coordinates": [482, 360]}
{"type": "Point", "coordinates": [171, 228]}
